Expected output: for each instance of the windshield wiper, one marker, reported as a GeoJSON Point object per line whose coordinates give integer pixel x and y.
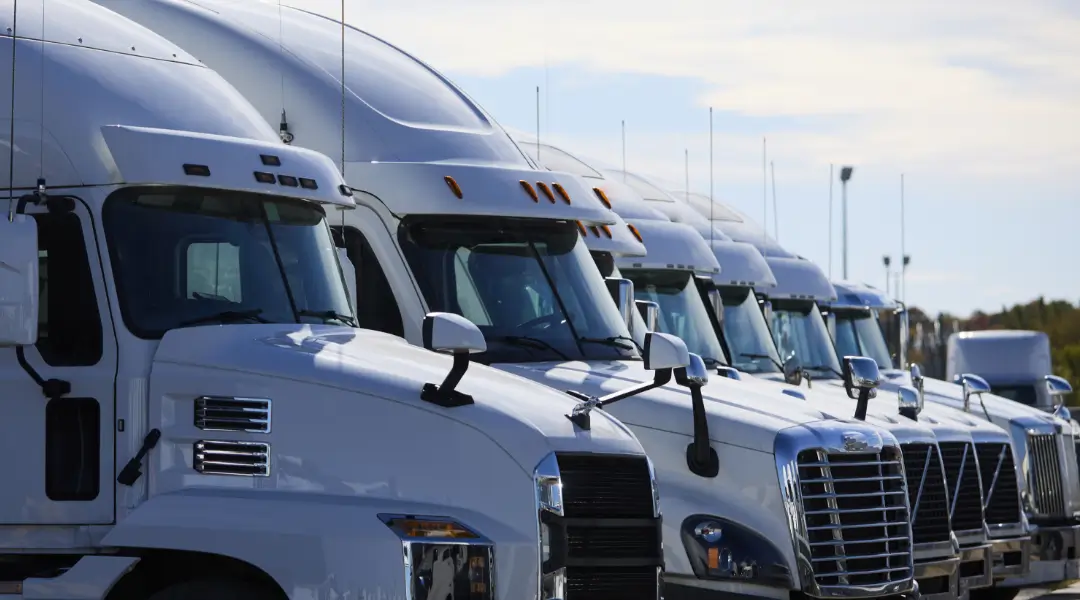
{"type": "Point", "coordinates": [328, 315]}
{"type": "Point", "coordinates": [228, 316]}
{"type": "Point", "coordinates": [825, 368]}
{"type": "Point", "coordinates": [712, 362]}
{"type": "Point", "coordinates": [524, 340]}
{"type": "Point", "coordinates": [614, 341]}
{"type": "Point", "coordinates": [763, 357]}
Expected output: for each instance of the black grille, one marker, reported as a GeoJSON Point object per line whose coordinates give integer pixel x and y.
{"type": "Point", "coordinates": [608, 538]}
{"type": "Point", "coordinates": [1047, 489]}
{"type": "Point", "coordinates": [605, 486]}
{"type": "Point", "coordinates": [927, 497]}
{"type": "Point", "coordinates": [856, 517]}
{"type": "Point", "coordinates": [1002, 505]}
{"type": "Point", "coordinates": [962, 478]}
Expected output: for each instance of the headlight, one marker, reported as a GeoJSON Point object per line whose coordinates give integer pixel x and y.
{"type": "Point", "coordinates": [549, 500]}
{"type": "Point", "coordinates": [444, 558]}
{"type": "Point", "coordinates": [721, 549]}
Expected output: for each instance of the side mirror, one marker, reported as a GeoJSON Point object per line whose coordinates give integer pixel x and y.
{"type": "Point", "coordinates": [717, 303]}
{"type": "Point", "coordinates": [18, 281]}
{"type": "Point", "coordinates": [622, 292]}
{"type": "Point", "coordinates": [793, 372]}
{"type": "Point", "coordinates": [348, 270]}
{"type": "Point", "coordinates": [665, 351]}
{"type": "Point", "coordinates": [451, 334]}
{"type": "Point", "coordinates": [971, 384]}
{"type": "Point", "coordinates": [650, 312]}
{"type": "Point", "coordinates": [663, 354]}
{"type": "Point", "coordinates": [701, 459]}
{"type": "Point", "coordinates": [910, 402]}
{"type": "Point", "coordinates": [1057, 386]}
{"type": "Point", "coordinates": [861, 378]}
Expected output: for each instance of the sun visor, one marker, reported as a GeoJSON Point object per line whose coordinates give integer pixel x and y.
{"type": "Point", "coordinates": [858, 295]}
{"type": "Point", "coordinates": [164, 157]}
{"type": "Point", "coordinates": [671, 246]}
{"type": "Point", "coordinates": [619, 239]}
{"type": "Point", "coordinates": [742, 265]}
{"type": "Point", "coordinates": [798, 279]}
{"type": "Point", "coordinates": [477, 190]}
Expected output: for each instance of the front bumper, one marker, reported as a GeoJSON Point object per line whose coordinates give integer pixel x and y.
{"type": "Point", "coordinates": [975, 567]}
{"type": "Point", "coordinates": [939, 578]}
{"type": "Point", "coordinates": [1055, 556]}
{"type": "Point", "coordinates": [1011, 557]}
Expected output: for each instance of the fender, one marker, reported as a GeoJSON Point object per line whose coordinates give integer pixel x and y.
{"type": "Point", "coordinates": [311, 545]}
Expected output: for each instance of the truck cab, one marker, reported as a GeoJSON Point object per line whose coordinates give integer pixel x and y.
{"type": "Point", "coordinates": [190, 412]}
{"type": "Point", "coordinates": [455, 219]}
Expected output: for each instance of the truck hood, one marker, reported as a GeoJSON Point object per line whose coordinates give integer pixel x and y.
{"type": "Point", "coordinates": [739, 414]}
{"type": "Point", "coordinates": [950, 394]}
{"type": "Point", "coordinates": [524, 418]}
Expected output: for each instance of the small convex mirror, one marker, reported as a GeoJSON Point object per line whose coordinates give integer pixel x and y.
{"type": "Point", "coordinates": [909, 401]}
{"type": "Point", "coordinates": [861, 375]}
{"type": "Point", "coordinates": [622, 292]}
{"type": "Point", "coordinates": [18, 280]}
{"type": "Point", "coordinates": [1057, 386]}
{"type": "Point", "coordinates": [970, 385]}
{"type": "Point", "coordinates": [793, 372]}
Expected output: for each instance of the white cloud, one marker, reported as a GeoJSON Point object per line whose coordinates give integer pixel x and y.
{"type": "Point", "coordinates": [989, 87]}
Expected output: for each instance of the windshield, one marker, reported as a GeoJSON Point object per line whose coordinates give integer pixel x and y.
{"type": "Point", "coordinates": [1022, 393]}
{"type": "Point", "coordinates": [529, 284]}
{"type": "Point", "coordinates": [682, 310]}
{"type": "Point", "coordinates": [747, 334]}
{"type": "Point", "coordinates": [858, 334]}
{"type": "Point", "coordinates": [798, 328]}
{"type": "Point", "coordinates": [184, 256]}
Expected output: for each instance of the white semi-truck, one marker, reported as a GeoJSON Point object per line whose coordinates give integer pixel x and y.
{"type": "Point", "coordinates": [1042, 444]}
{"type": "Point", "coordinates": [188, 414]}
{"type": "Point", "coordinates": [459, 221]}
{"type": "Point", "coordinates": [1016, 363]}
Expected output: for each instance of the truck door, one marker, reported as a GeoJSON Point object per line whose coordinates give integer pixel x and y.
{"type": "Point", "coordinates": [58, 465]}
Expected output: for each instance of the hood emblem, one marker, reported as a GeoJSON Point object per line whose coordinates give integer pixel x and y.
{"type": "Point", "coordinates": [855, 442]}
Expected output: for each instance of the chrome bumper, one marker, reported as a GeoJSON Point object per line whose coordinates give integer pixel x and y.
{"type": "Point", "coordinates": [938, 579]}
{"type": "Point", "coordinates": [1054, 557]}
{"type": "Point", "coordinates": [1011, 557]}
{"type": "Point", "coordinates": [975, 567]}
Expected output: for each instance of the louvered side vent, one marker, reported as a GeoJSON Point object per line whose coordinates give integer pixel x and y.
{"type": "Point", "coordinates": [856, 517]}
{"type": "Point", "coordinates": [250, 459]}
{"type": "Point", "coordinates": [613, 541]}
{"type": "Point", "coordinates": [927, 497]}
{"type": "Point", "coordinates": [962, 476]}
{"type": "Point", "coordinates": [1002, 505]}
{"type": "Point", "coordinates": [222, 413]}
{"type": "Point", "coordinates": [1047, 487]}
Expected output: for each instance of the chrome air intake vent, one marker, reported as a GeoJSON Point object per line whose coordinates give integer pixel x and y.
{"type": "Point", "coordinates": [965, 493]}
{"type": "Point", "coordinates": [223, 413]}
{"type": "Point", "coordinates": [927, 495]}
{"type": "Point", "coordinates": [1002, 504]}
{"type": "Point", "coordinates": [215, 457]}
{"type": "Point", "coordinates": [1044, 475]}
{"type": "Point", "coordinates": [856, 511]}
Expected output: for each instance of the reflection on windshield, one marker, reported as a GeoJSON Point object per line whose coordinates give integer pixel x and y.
{"type": "Point", "coordinates": [530, 285]}
{"type": "Point", "coordinates": [682, 310]}
{"type": "Point", "coordinates": [858, 334]}
{"type": "Point", "coordinates": [187, 256]}
{"type": "Point", "coordinates": [746, 333]}
{"type": "Point", "coordinates": [798, 328]}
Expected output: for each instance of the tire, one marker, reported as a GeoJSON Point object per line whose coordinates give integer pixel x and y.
{"type": "Point", "coordinates": [994, 594]}
{"type": "Point", "coordinates": [214, 589]}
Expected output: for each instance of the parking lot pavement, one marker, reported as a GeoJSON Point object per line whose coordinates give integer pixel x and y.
{"type": "Point", "coordinates": [1071, 592]}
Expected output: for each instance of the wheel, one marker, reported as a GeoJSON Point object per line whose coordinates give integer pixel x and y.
{"type": "Point", "coordinates": [993, 593]}
{"type": "Point", "coordinates": [214, 589]}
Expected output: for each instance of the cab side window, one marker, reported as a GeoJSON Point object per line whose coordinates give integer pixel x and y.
{"type": "Point", "coordinates": [376, 307]}
{"type": "Point", "coordinates": [69, 325]}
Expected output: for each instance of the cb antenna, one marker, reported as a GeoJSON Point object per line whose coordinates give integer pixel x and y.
{"type": "Point", "coordinates": [343, 104]}
{"type": "Point", "coordinates": [712, 200]}
{"type": "Point", "coordinates": [830, 218]}
{"type": "Point", "coordinates": [775, 211]}
{"type": "Point", "coordinates": [764, 192]}
{"type": "Point", "coordinates": [11, 130]}
{"type": "Point", "coordinates": [538, 123]}
{"type": "Point", "coordinates": [624, 150]}
{"type": "Point", "coordinates": [686, 167]}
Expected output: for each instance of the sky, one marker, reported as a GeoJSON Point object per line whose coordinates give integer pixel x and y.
{"type": "Point", "coordinates": [976, 103]}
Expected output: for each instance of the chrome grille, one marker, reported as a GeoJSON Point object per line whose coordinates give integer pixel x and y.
{"type": "Point", "coordinates": [998, 470]}
{"type": "Point", "coordinates": [1044, 471]}
{"type": "Point", "coordinates": [965, 493]}
{"type": "Point", "coordinates": [927, 496]}
{"type": "Point", "coordinates": [856, 511]}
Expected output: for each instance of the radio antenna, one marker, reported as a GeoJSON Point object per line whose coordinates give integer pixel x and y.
{"type": "Point", "coordinates": [11, 130]}
{"type": "Point", "coordinates": [686, 182]}
{"type": "Point", "coordinates": [538, 125]}
{"type": "Point", "coordinates": [41, 132]}
{"type": "Point", "coordinates": [830, 218]}
{"type": "Point", "coordinates": [775, 211]}
{"type": "Point", "coordinates": [764, 193]}
{"type": "Point", "coordinates": [712, 200]}
{"type": "Point", "coordinates": [343, 105]}
{"type": "Point", "coordinates": [624, 150]}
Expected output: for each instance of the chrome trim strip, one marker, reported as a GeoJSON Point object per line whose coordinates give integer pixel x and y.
{"type": "Point", "coordinates": [231, 457]}
{"type": "Point", "coordinates": [233, 413]}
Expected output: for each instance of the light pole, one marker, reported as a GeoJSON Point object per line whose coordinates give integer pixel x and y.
{"type": "Point", "coordinates": [886, 260]}
{"type": "Point", "coordinates": [845, 175]}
